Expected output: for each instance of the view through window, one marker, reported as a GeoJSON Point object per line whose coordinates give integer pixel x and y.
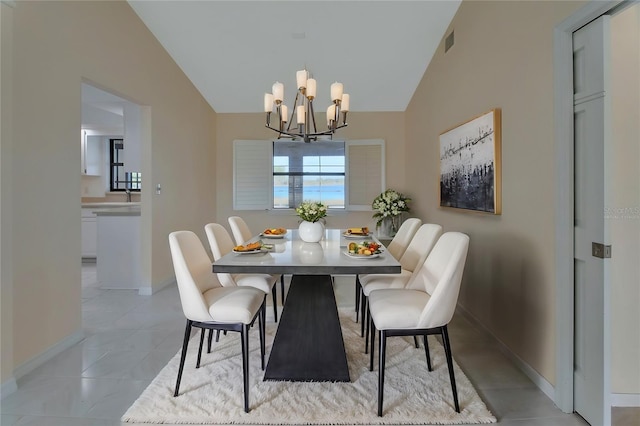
{"type": "Point", "coordinates": [312, 171]}
{"type": "Point", "coordinates": [121, 180]}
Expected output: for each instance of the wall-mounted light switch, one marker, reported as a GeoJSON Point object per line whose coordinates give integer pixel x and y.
{"type": "Point", "coordinates": [158, 189]}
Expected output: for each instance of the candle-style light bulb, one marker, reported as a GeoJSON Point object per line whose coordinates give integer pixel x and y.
{"type": "Point", "coordinates": [331, 114]}
{"type": "Point", "coordinates": [300, 115]}
{"type": "Point", "coordinates": [301, 78]}
{"type": "Point", "coordinates": [284, 111]}
{"type": "Point", "coordinates": [268, 102]}
{"type": "Point", "coordinates": [336, 91]}
{"type": "Point", "coordinates": [278, 92]}
{"type": "Point", "coordinates": [311, 88]}
{"type": "Point", "coordinates": [344, 105]}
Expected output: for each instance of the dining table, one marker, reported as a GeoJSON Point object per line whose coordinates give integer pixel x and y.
{"type": "Point", "coordinates": [308, 345]}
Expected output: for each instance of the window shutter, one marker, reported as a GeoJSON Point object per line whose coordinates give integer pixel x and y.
{"type": "Point", "coordinates": [252, 174]}
{"type": "Point", "coordinates": [366, 172]}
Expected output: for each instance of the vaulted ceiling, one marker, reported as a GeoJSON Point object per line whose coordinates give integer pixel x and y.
{"type": "Point", "coordinates": [233, 51]}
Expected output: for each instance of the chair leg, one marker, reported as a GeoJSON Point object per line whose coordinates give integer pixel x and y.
{"type": "Point", "coordinates": [282, 289]}
{"type": "Point", "coordinates": [210, 339]}
{"type": "Point", "coordinates": [363, 310]}
{"type": "Point", "coordinates": [185, 343]}
{"type": "Point", "coordinates": [415, 341]}
{"type": "Point", "coordinates": [381, 355]}
{"type": "Point", "coordinates": [426, 352]}
{"type": "Point", "coordinates": [373, 342]}
{"type": "Point", "coordinates": [217, 335]}
{"type": "Point", "coordinates": [244, 337]}
{"type": "Point", "coordinates": [447, 352]}
{"type": "Point", "coordinates": [275, 303]}
{"type": "Point", "coordinates": [202, 332]}
{"type": "Point", "coordinates": [357, 296]}
{"type": "Point", "coordinates": [262, 319]}
{"type": "Point", "coordinates": [367, 317]}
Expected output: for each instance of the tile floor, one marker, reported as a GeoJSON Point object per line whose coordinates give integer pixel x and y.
{"type": "Point", "coordinates": [129, 338]}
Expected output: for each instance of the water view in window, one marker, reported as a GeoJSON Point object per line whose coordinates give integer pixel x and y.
{"type": "Point", "coordinates": [308, 172]}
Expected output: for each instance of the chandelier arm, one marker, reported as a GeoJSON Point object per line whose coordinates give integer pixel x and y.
{"type": "Point", "coordinates": [313, 116]}
{"type": "Point", "coordinates": [302, 135]}
{"type": "Point", "coordinates": [279, 131]}
{"type": "Point", "coordinates": [293, 111]}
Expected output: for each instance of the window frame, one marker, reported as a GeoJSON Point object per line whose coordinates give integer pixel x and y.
{"type": "Point", "coordinates": [113, 163]}
{"type": "Point", "coordinates": [253, 175]}
{"type": "Point", "coordinates": [297, 173]}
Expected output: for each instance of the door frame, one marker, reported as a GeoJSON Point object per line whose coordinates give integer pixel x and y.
{"type": "Point", "coordinates": [564, 195]}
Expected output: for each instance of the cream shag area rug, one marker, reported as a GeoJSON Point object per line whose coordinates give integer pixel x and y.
{"type": "Point", "coordinates": [213, 394]}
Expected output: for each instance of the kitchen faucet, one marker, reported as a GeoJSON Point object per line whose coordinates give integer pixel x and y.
{"type": "Point", "coordinates": [128, 192]}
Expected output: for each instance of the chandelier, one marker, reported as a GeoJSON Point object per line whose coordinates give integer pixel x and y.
{"type": "Point", "coordinates": [305, 126]}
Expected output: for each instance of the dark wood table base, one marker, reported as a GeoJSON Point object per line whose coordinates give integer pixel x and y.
{"type": "Point", "coordinates": [308, 346]}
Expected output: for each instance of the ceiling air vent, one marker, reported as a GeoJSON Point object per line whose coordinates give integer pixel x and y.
{"type": "Point", "coordinates": [448, 42]}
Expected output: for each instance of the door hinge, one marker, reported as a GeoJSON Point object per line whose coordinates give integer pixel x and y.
{"type": "Point", "coordinates": [600, 250]}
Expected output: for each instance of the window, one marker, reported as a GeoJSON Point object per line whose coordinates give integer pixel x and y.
{"type": "Point", "coordinates": [278, 175]}
{"type": "Point", "coordinates": [308, 172]}
{"type": "Point", "coordinates": [119, 179]}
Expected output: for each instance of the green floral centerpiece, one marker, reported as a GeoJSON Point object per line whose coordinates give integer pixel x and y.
{"type": "Point", "coordinates": [311, 229]}
{"type": "Point", "coordinates": [311, 211]}
{"type": "Point", "coordinates": [389, 207]}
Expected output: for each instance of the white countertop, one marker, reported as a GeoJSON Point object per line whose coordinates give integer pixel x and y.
{"type": "Point", "coordinates": [114, 208]}
{"type": "Point", "coordinates": [112, 204]}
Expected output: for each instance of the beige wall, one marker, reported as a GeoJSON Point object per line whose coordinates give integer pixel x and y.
{"type": "Point", "coordinates": [502, 57]}
{"type": "Point", "coordinates": [56, 45]}
{"type": "Point", "coordinates": [373, 125]}
{"type": "Point", "coordinates": [623, 201]}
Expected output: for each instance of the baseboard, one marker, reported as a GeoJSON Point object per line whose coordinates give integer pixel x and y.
{"type": "Point", "coordinates": [625, 399]}
{"type": "Point", "coordinates": [537, 379]}
{"type": "Point", "coordinates": [45, 356]}
{"type": "Point", "coordinates": [8, 387]}
{"type": "Point", "coordinates": [150, 291]}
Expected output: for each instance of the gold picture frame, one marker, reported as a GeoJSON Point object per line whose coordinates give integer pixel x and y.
{"type": "Point", "coordinates": [470, 164]}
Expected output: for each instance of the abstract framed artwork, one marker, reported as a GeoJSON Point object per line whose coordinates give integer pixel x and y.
{"type": "Point", "coordinates": [470, 164]}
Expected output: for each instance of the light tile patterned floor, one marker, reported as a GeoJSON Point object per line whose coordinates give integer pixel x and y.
{"type": "Point", "coordinates": [129, 338]}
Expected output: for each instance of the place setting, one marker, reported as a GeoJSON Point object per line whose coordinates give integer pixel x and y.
{"type": "Point", "coordinates": [356, 233]}
{"type": "Point", "coordinates": [274, 233]}
{"type": "Point", "coordinates": [254, 248]}
{"type": "Point", "coordinates": [364, 250]}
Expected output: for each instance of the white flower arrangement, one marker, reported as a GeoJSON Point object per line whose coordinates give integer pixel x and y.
{"type": "Point", "coordinates": [390, 204]}
{"type": "Point", "coordinates": [311, 211]}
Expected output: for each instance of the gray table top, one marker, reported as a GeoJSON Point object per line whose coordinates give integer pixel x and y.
{"type": "Point", "coordinates": [291, 255]}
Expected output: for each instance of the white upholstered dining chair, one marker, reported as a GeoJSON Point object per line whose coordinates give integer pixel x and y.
{"type": "Point", "coordinates": [208, 305]}
{"type": "Point", "coordinates": [396, 248]}
{"type": "Point", "coordinates": [241, 234]}
{"type": "Point", "coordinates": [403, 237]}
{"type": "Point", "coordinates": [220, 243]}
{"type": "Point", "coordinates": [414, 256]}
{"type": "Point", "coordinates": [424, 307]}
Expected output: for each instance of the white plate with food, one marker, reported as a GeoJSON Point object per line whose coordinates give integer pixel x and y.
{"type": "Point", "coordinates": [362, 232]}
{"type": "Point", "coordinates": [250, 248]}
{"type": "Point", "coordinates": [355, 236]}
{"type": "Point", "coordinates": [364, 249]}
{"type": "Point", "coordinates": [249, 251]}
{"type": "Point", "coordinates": [273, 233]}
{"type": "Point", "coordinates": [362, 256]}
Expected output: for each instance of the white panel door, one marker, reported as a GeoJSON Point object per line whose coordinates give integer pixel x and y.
{"type": "Point", "coordinates": [591, 134]}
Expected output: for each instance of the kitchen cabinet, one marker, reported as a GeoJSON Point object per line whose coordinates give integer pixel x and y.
{"type": "Point", "coordinates": [89, 234]}
{"type": "Point", "coordinates": [91, 150]}
{"type": "Point", "coordinates": [119, 260]}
